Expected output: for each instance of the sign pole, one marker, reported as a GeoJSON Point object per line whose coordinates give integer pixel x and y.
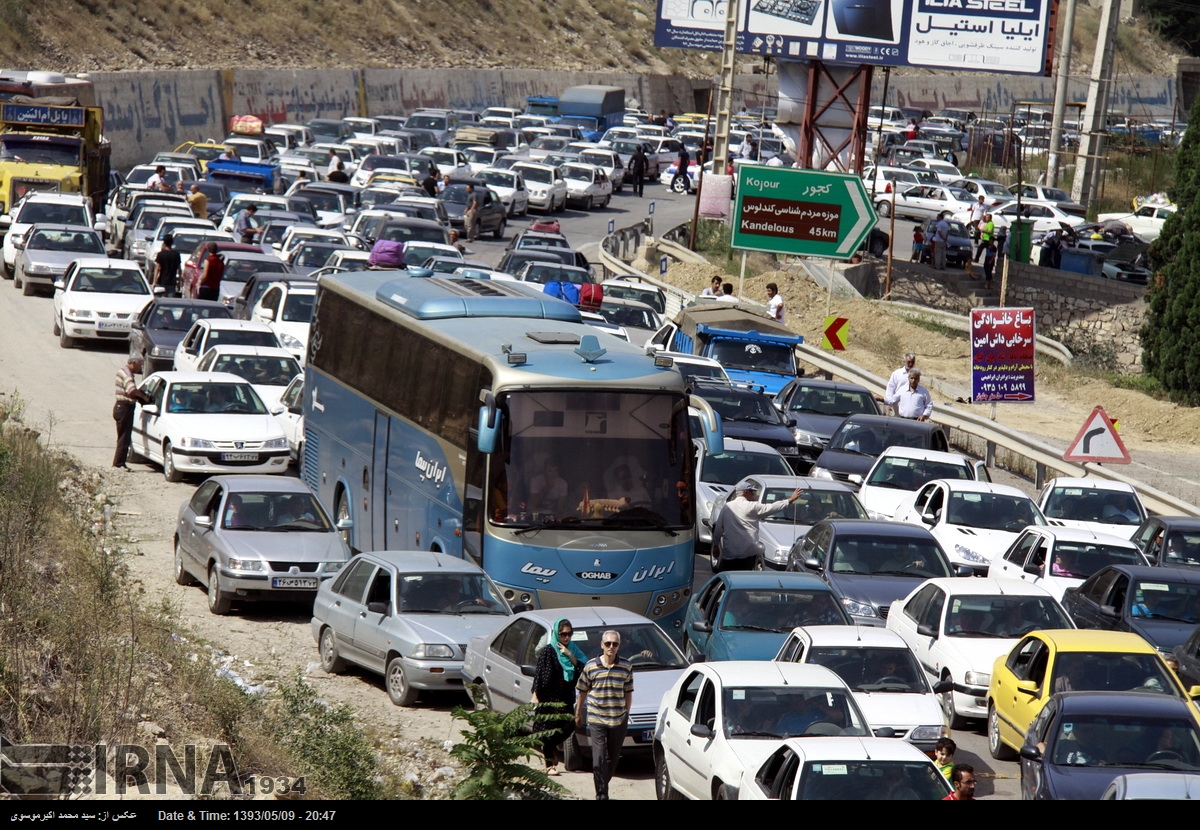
{"type": "Point", "coordinates": [829, 296]}
{"type": "Point", "coordinates": [742, 278]}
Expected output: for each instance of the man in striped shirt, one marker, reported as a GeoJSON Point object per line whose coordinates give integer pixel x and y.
{"type": "Point", "coordinates": [606, 692]}
{"type": "Point", "coordinates": [127, 395]}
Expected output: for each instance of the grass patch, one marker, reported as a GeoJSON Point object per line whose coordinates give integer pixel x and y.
{"type": "Point", "coordinates": [1146, 384]}
{"type": "Point", "coordinates": [712, 240]}
{"type": "Point", "coordinates": [930, 324]}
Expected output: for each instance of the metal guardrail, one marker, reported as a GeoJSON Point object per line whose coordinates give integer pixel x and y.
{"type": "Point", "coordinates": [995, 437]}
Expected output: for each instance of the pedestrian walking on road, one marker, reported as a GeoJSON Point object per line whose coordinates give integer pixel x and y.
{"type": "Point", "coordinates": [127, 395]}
{"type": "Point", "coordinates": [430, 184]}
{"type": "Point", "coordinates": [637, 169]}
{"type": "Point", "coordinates": [605, 694]}
{"type": "Point", "coordinates": [209, 285]}
{"type": "Point", "coordinates": [554, 679]}
{"type": "Point", "coordinates": [166, 267]}
{"type": "Point", "coordinates": [941, 239]}
{"type": "Point", "coordinates": [914, 400]}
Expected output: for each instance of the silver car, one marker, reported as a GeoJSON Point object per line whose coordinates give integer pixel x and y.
{"type": "Point", "coordinates": [406, 615]}
{"type": "Point", "coordinates": [47, 252]}
{"type": "Point", "coordinates": [256, 538]}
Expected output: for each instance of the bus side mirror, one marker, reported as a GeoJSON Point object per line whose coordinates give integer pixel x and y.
{"type": "Point", "coordinates": [489, 424]}
{"type": "Point", "coordinates": [710, 422]}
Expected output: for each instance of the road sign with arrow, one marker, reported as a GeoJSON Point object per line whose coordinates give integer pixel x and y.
{"type": "Point", "coordinates": [1097, 441]}
{"type": "Point", "coordinates": [786, 210]}
{"type": "Point", "coordinates": [835, 333]}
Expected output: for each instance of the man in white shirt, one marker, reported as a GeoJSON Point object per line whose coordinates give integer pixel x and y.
{"type": "Point", "coordinates": [737, 526]}
{"type": "Point", "coordinates": [714, 288]}
{"type": "Point", "coordinates": [775, 303]}
{"type": "Point", "coordinates": [914, 400]}
{"type": "Point", "coordinates": [899, 378]}
{"type": "Point", "coordinates": [727, 294]}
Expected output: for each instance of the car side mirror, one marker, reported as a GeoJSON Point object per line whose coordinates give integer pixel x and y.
{"type": "Point", "coordinates": [137, 324]}
{"type": "Point", "coordinates": [701, 731]}
{"type": "Point", "coordinates": [1194, 692]}
{"type": "Point", "coordinates": [345, 524]}
{"type": "Point", "coordinates": [963, 570]}
{"type": "Point", "coordinates": [929, 518]}
{"type": "Point", "coordinates": [277, 410]}
{"type": "Point", "coordinates": [528, 670]}
{"type": "Point", "coordinates": [885, 732]}
{"type": "Point", "coordinates": [159, 290]}
{"type": "Point", "coordinates": [1032, 568]}
{"type": "Point", "coordinates": [59, 285]}
{"type": "Point", "coordinates": [1027, 687]}
{"type": "Point", "coordinates": [943, 686]}
{"type": "Point", "coordinates": [377, 608]}
{"type": "Point", "coordinates": [702, 627]}
{"type": "Point", "coordinates": [812, 563]}
{"type": "Point", "coordinates": [150, 408]}
{"type": "Point", "coordinates": [926, 631]}
{"type": "Point", "coordinates": [1031, 753]}
{"type": "Point", "coordinates": [1109, 611]}
{"type": "Point", "coordinates": [204, 522]}
{"type": "Point", "coordinates": [267, 314]}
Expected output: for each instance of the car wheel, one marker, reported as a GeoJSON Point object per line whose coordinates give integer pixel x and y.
{"type": "Point", "coordinates": [8, 272]}
{"type": "Point", "coordinates": [57, 330]}
{"type": "Point", "coordinates": [714, 557]}
{"type": "Point", "coordinates": [952, 718]}
{"type": "Point", "coordinates": [398, 689]}
{"type": "Point", "coordinates": [679, 184]}
{"type": "Point", "coordinates": [590, 205]}
{"type": "Point", "coordinates": [182, 577]}
{"type": "Point", "coordinates": [499, 233]}
{"type": "Point", "coordinates": [331, 661]}
{"type": "Point", "coordinates": [884, 208]}
{"type": "Point", "coordinates": [170, 472]}
{"type": "Point", "coordinates": [574, 758]}
{"type": "Point", "coordinates": [662, 780]}
{"type": "Point", "coordinates": [219, 602]}
{"type": "Point", "coordinates": [877, 247]}
{"type": "Point", "coordinates": [999, 750]}
{"type": "Point", "coordinates": [300, 456]}
{"type": "Point", "coordinates": [619, 187]}
{"type": "Point", "coordinates": [16, 279]}
{"type": "Point", "coordinates": [726, 793]}
{"type": "Point", "coordinates": [562, 205]}
{"type": "Point", "coordinates": [758, 564]}
{"type": "Point", "coordinates": [64, 341]}
{"type": "Point", "coordinates": [604, 205]}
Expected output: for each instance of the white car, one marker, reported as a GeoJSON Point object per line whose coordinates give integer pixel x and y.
{"type": "Point", "coordinates": [958, 627]}
{"type": "Point", "coordinates": [208, 332]}
{"type": "Point", "coordinates": [845, 769]}
{"type": "Point", "coordinates": [448, 161]}
{"type": "Point", "coordinates": [944, 170]}
{"type": "Point", "coordinates": [721, 719]}
{"type": "Point", "coordinates": [172, 225]}
{"type": "Point", "coordinates": [609, 162]}
{"type": "Point", "coordinates": [925, 202]}
{"type": "Point", "coordinates": [289, 412]}
{"type": "Point", "coordinates": [40, 208]}
{"type": "Point", "coordinates": [481, 158]}
{"type": "Point", "coordinates": [269, 370]}
{"type": "Point", "coordinates": [1093, 504]}
{"type": "Point", "coordinates": [98, 299]}
{"type": "Point", "coordinates": [1045, 217]}
{"type": "Point", "coordinates": [882, 672]}
{"type": "Point", "coordinates": [1147, 221]}
{"type": "Point", "coordinates": [206, 423]}
{"type": "Point", "coordinates": [715, 474]}
{"type": "Point", "coordinates": [901, 471]}
{"type": "Point", "coordinates": [547, 190]}
{"type": "Point", "coordinates": [1058, 558]}
{"type": "Point", "coordinates": [509, 185]}
{"type": "Point", "coordinates": [264, 201]}
{"type": "Point", "coordinates": [973, 521]}
{"type": "Point", "coordinates": [287, 309]}
{"type": "Point", "coordinates": [296, 234]}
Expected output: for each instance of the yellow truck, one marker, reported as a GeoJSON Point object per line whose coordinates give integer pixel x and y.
{"type": "Point", "coordinates": [52, 148]}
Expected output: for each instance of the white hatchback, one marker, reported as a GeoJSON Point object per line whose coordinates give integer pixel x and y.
{"type": "Point", "coordinates": [98, 299]}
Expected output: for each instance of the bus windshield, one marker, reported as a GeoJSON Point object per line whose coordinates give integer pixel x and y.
{"type": "Point", "coordinates": [593, 458]}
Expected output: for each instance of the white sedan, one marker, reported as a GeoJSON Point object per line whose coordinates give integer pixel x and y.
{"type": "Point", "coordinates": [1147, 221]}
{"type": "Point", "coordinates": [206, 423]}
{"type": "Point", "coordinates": [1058, 558]}
{"type": "Point", "coordinates": [973, 521]}
{"type": "Point", "coordinates": [721, 719]}
{"type": "Point", "coordinates": [958, 627]}
{"type": "Point", "coordinates": [1045, 217]}
{"type": "Point", "coordinates": [509, 185]}
{"type": "Point", "coordinates": [925, 202]}
{"type": "Point", "coordinates": [268, 369]}
{"type": "Point", "coordinates": [900, 471]}
{"type": "Point", "coordinates": [1093, 504]}
{"type": "Point", "coordinates": [99, 298]}
{"type": "Point", "coordinates": [290, 414]}
{"type": "Point", "coordinates": [587, 186]}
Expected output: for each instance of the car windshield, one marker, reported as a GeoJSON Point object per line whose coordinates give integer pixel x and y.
{"type": "Point", "coordinates": [1079, 560]}
{"type": "Point", "coordinates": [992, 511]}
{"type": "Point", "coordinates": [731, 467]}
{"type": "Point", "coordinates": [42, 213]}
{"type": "Point", "coordinates": [775, 358]}
{"type": "Point", "coordinates": [454, 194]}
{"type": "Point", "coordinates": [150, 219]}
{"type": "Point", "coordinates": [1159, 599]}
{"type": "Point", "coordinates": [180, 317]}
{"type": "Point", "coordinates": [835, 780]}
{"type": "Point", "coordinates": [779, 609]}
{"type": "Point", "coordinates": [700, 370]}
{"type": "Point", "coordinates": [1004, 617]}
{"type": "Point", "coordinates": [872, 669]}
{"type": "Point", "coordinates": [241, 337]}
{"type": "Point", "coordinates": [1106, 671]}
{"type": "Point", "coordinates": [1126, 741]}
{"type": "Point", "coordinates": [822, 400]}
{"type": "Point", "coordinates": [108, 281]}
{"type": "Point", "coordinates": [543, 274]}
{"type": "Point", "coordinates": [598, 159]}
{"type": "Point", "coordinates": [789, 711]}
{"type": "Point", "coordinates": [634, 318]}
{"type": "Point", "coordinates": [85, 242]}
{"type": "Point", "coordinates": [312, 256]}
{"type": "Point", "coordinates": [888, 556]}
{"type": "Point", "coordinates": [541, 175]}
{"type": "Point", "coordinates": [646, 295]}
{"type": "Point", "coordinates": [427, 122]}
{"type": "Point", "coordinates": [274, 512]}
{"type": "Point", "coordinates": [448, 593]}
{"type": "Point", "coordinates": [542, 242]}
{"type": "Point", "coordinates": [1087, 504]}
{"type": "Point", "coordinates": [739, 405]}
{"type": "Point", "coordinates": [413, 233]}
{"type": "Point", "coordinates": [259, 370]}
{"type": "Point", "coordinates": [812, 506]}
{"type": "Point", "coordinates": [214, 398]}
{"type": "Point", "coordinates": [240, 270]}
{"type": "Point", "coordinates": [911, 473]}
{"type": "Point", "coordinates": [579, 174]}
{"type": "Point", "coordinates": [328, 202]}
{"type": "Point", "coordinates": [498, 178]}
{"type": "Point", "coordinates": [644, 645]}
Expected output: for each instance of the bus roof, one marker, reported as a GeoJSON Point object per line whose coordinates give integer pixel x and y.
{"type": "Point", "coordinates": [440, 298]}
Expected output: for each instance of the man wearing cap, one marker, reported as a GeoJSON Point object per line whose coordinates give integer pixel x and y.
{"type": "Point", "coordinates": [737, 526]}
{"type": "Point", "coordinates": [914, 400]}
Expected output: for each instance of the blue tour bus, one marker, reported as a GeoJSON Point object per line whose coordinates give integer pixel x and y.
{"type": "Point", "coordinates": [484, 419]}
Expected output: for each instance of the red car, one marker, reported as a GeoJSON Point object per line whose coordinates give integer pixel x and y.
{"type": "Point", "coordinates": [189, 281]}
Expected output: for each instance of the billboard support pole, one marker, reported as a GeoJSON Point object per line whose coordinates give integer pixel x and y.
{"type": "Point", "coordinates": [1096, 113]}
{"type": "Point", "coordinates": [1062, 69]}
{"type": "Point", "coordinates": [725, 88]}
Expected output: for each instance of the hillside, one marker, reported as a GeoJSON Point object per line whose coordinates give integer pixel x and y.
{"type": "Point", "coordinates": [81, 35]}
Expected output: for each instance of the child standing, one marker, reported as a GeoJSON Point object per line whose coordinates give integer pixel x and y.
{"type": "Point", "coordinates": [943, 755]}
{"type": "Point", "coordinates": [918, 244]}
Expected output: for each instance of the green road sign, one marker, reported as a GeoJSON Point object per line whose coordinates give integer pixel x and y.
{"type": "Point", "coordinates": [785, 210]}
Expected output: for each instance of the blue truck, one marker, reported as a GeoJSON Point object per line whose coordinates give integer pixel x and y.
{"type": "Point", "coordinates": [243, 176]}
{"type": "Point", "coordinates": [593, 108]}
{"type": "Point", "coordinates": [752, 347]}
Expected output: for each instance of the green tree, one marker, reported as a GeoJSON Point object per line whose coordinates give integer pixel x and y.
{"type": "Point", "coordinates": [1173, 20]}
{"type": "Point", "coordinates": [492, 750]}
{"type": "Point", "coordinates": [1171, 334]}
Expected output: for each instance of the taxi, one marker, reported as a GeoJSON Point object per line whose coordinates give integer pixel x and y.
{"type": "Point", "coordinates": [1079, 660]}
{"type": "Point", "coordinates": [205, 151]}
{"type": "Point", "coordinates": [388, 176]}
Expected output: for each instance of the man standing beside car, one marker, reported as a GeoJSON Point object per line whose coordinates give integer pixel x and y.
{"type": "Point", "coordinates": [471, 214]}
{"type": "Point", "coordinates": [605, 692]}
{"type": "Point", "coordinates": [166, 267]}
{"type": "Point", "coordinates": [737, 524]}
{"type": "Point", "coordinates": [127, 395]}
{"type": "Point", "coordinates": [637, 170]}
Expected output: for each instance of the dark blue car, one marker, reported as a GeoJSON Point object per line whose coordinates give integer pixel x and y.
{"type": "Point", "coordinates": [746, 615]}
{"type": "Point", "coordinates": [1081, 741]}
{"type": "Point", "coordinates": [1160, 604]}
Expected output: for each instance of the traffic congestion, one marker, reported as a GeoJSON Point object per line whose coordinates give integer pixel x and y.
{"type": "Point", "coordinates": [391, 391]}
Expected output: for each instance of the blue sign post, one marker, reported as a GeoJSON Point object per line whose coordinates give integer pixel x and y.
{"type": "Point", "coordinates": [612, 225]}
{"type": "Point", "coordinates": [662, 265]}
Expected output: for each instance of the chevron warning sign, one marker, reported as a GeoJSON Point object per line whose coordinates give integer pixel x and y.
{"type": "Point", "coordinates": [835, 334]}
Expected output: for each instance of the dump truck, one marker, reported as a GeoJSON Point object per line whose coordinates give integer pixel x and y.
{"type": "Point", "coordinates": [52, 148]}
{"type": "Point", "coordinates": [752, 347]}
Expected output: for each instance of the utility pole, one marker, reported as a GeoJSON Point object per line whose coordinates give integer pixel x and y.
{"type": "Point", "coordinates": [1091, 145]}
{"type": "Point", "coordinates": [1062, 69]}
{"type": "Point", "coordinates": [725, 89]}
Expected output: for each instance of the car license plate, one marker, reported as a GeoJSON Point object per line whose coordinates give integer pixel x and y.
{"type": "Point", "coordinates": [113, 326]}
{"type": "Point", "coordinates": [294, 582]}
{"type": "Point", "coordinates": [239, 456]}
{"type": "Point", "coordinates": [647, 736]}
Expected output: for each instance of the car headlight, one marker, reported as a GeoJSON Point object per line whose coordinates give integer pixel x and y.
{"type": "Point", "coordinates": [820, 472]}
{"type": "Point", "coordinates": [928, 733]}
{"type": "Point", "coordinates": [333, 567]}
{"type": "Point", "coordinates": [275, 444]}
{"type": "Point", "coordinates": [246, 565]}
{"type": "Point", "coordinates": [139, 247]}
{"type": "Point", "coordinates": [970, 555]}
{"type": "Point", "coordinates": [288, 341]}
{"type": "Point", "coordinates": [858, 609]}
{"type": "Point", "coordinates": [805, 438]}
{"type": "Point", "coordinates": [39, 269]}
{"type": "Point", "coordinates": [81, 313]}
{"type": "Point", "coordinates": [708, 506]}
{"type": "Point", "coordinates": [197, 443]}
{"type": "Point", "coordinates": [788, 450]}
{"type": "Point", "coordinates": [435, 651]}
{"type": "Point", "coordinates": [779, 556]}
{"type": "Point", "coordinates": [978, 678]}
{"type": "Point", "coordinates": [161, 351]}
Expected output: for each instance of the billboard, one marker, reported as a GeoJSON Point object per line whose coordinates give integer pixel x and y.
{"type": "Point", "coordinates": [1004, 36]}
{"type": "Point", "coordinates": [1003, 342]}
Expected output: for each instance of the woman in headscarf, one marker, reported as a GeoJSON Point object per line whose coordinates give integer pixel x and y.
{"type": "Point", "coordinates": [558, 665]}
